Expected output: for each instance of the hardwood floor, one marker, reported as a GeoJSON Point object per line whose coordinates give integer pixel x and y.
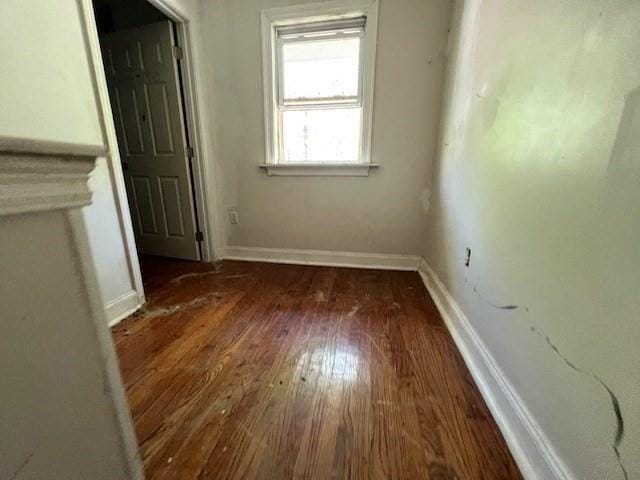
{"type": "Point", "coordinates": [260, 371]}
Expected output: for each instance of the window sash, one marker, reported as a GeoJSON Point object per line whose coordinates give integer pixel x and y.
{"type": "Point", "coordinates": [300, 29]}
{"type": "Point", "coordinates": [320, 35]}
{"type": "Point", "coordinates": [306, 33]}
{"type": "Point", "coordinates": [325, 104]}
{"type": "Point", "coordinates": [280, 136]}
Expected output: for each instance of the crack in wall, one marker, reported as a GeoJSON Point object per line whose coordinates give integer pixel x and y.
{"type": "Point", "coordinates": [615, 403]}
{"type": "Point", "coordinates": [499, 307]}
{"type": "Point", "coordinates": [22, 466]}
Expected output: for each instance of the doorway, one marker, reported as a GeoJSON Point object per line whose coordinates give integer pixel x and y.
{"type": "Point", "coordinates": [143, 57]}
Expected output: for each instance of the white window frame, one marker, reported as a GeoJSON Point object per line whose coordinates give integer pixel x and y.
{"type": "Point", "coordinates": [312, 13]}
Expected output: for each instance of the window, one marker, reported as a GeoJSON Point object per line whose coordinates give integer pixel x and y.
{"type": "Point", "coordinates": [318, 65]}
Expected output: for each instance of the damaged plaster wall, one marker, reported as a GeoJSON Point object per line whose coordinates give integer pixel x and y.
{"type": "Point", "coordinates": [382, 213]}
{"type": "Point", "coordinates": [538, 173]}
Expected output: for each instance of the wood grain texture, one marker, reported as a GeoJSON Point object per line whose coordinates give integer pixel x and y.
{"type": "Point", "coordinates": [244, 370]}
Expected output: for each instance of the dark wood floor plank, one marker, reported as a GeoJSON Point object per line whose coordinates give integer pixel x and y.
{"type": "Point", "coordinates": [244, 370]}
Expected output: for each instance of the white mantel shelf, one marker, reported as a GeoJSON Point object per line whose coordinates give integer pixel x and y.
{"type": "Point", "coordinates": [318, 169]}
{"type": "Point", "coordinates": [37, 175]}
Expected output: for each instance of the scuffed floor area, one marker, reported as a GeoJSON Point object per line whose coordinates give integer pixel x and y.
{"type": "Point", "coordinates": [244, 370]}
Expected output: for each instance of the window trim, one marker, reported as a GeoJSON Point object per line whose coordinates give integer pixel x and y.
{"type": "Point", "coordinates": [313, 13]}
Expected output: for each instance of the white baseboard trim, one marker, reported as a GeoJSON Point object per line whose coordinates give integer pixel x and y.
{"type": "Point", "coordinates": [323, 258]}
{"type": "Point", "coordinates": [528, 445]}
{"type": "Point", "coordinates": [120, 308]}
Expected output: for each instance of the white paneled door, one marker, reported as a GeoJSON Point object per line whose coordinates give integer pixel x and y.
{"type": "Point", "coordinates": [144, 88]}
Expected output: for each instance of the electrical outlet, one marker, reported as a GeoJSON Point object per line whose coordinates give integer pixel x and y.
{"type": "Point", "coordinates": [233, 217]}
{"type": "Point", "coordinates": [467, 257]}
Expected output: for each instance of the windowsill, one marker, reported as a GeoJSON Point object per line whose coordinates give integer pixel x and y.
{"type": "Point", "coordinates": [319, 169]}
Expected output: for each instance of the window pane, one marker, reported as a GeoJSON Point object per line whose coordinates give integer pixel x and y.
{"type": "Point", "coordinates": [321, 68]}
{"type": "Point", "coordinates": [321, 135]}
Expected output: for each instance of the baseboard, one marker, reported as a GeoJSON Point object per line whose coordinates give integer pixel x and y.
{"type": "Point", "coordinates": [323, 258]}
{"type": "Point", "coordinates": [120, 308]}
{"type": "Point", "coordinates": [527, 443]}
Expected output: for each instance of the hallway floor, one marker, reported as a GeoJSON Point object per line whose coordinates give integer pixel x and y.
{"type": "Point", "coordinates": [244, 370]}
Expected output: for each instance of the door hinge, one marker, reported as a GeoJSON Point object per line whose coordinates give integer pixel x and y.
{"type": "Point", "coordinates": [190, 152]}
{"type": "Point", "coordinates": [199, 237]}
{"type": "Point", "coordinates": [177, 52]}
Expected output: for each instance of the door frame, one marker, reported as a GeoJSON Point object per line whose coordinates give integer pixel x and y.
{"type": "Point", "coordinates": [205, 178]}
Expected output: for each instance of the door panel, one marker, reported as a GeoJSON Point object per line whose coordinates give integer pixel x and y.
{"type": "Point", "coordinates": [143, 83]}
{"type": "Point", "coordinates": [127, 111]}
{"type": "Point", "coordinates": [170, 194]}
{"type": "Point", "coordinates": [160, 118]}
{"type": "Point", "coordinates": [143, 200]}
{"type": "Point", "coordinates": [151, 53]}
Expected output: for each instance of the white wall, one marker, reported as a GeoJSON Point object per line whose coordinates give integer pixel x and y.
{"type": "Point", "coordinates": [381, 213]}
{"type": "Point", "coordinates": [108, 247]}
{"type": "Point", "coordinates": [59, 104]}
{"type": "Point", "coordinates": [62, 407]}
{"type": "Point", "coordinates": [57, 414]}
{"type": "Point", "coordinates": [539, 175]}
